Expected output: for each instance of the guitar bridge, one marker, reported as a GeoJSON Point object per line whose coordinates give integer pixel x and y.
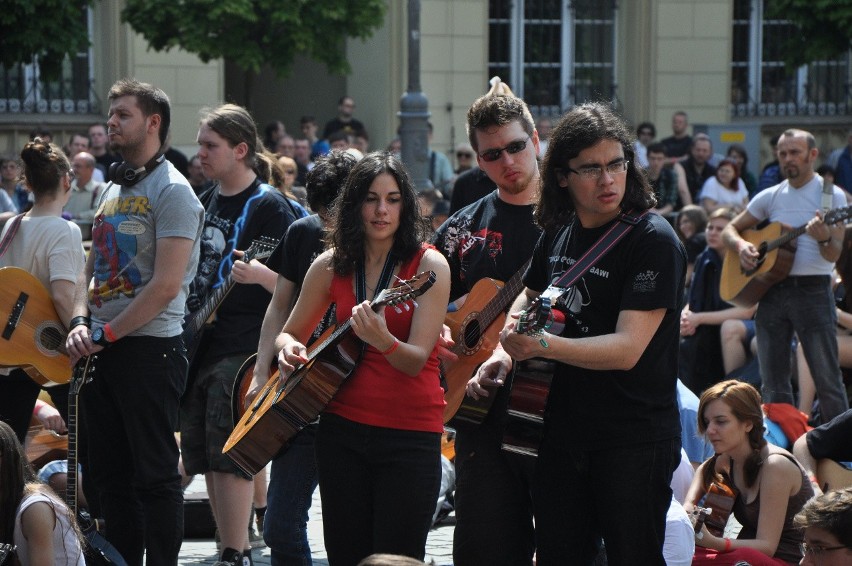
{"type": "Point", "coordinates": [15, 316]}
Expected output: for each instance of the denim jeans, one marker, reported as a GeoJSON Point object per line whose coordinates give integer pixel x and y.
{"type": "Point", "coordinates": [379, 489]}
{"type": "Point", "coordinates": [131, 411]}
{"type": "Point", "coordinates": [804, 305]}
{"type": "Point", "coordinates": [619, 494]}
{"type": "Point", "coordinates": [292, 482]}
{"type": "Point", "coordinates": [493, 501]}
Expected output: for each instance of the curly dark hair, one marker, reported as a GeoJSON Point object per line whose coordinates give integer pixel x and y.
{"type": "Point", "coordinates": [579, 129]}
{"type": "Point", "coordinates": [324, 181]}
{"type": "Point", "coordinates": [346, 236]}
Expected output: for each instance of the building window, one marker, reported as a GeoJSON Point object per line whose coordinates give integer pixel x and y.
{"type": "Point", "coordinates": [24, 91]}
{"type": "Point", "coordinates": [762, 86]}
{"type": "Point", "coordinates": [554, 53]}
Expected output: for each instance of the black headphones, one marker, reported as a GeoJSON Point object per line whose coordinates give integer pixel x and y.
{"type": "Point", "coordinates": [123, 174]}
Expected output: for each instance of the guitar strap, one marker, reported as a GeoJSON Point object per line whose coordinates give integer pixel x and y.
{"type": "Point", "coordinates": [604, 244]}
{"type": "Point", "coordinates": [361, 283]}
{"type": "Point", "coordinates": [14, 224]}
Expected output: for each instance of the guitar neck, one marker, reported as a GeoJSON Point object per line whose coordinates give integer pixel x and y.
{"type": "Point", "coordinates": [71, 485]}
{"type": "Point", "coordinates": [831, 217]}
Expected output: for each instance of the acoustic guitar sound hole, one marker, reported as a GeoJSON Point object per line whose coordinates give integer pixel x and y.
{"type": "Point", "coordinates": [472, 333]}
{"type": "Point", "coordinates": [50, 338]}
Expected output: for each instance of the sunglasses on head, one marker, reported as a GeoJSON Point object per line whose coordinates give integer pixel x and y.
{"type": "Point", "coordinates": [514, 147]}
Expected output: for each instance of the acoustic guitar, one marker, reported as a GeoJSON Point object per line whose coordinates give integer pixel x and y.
{"type": "Point", "coordinates": [529, 385]}
{"type": "Point", "coordinates": [43, 445]}
{"type": "Point", "coordinates": [33, 337]}
{"type": "Point", "coordinates": [475, 328]}
{"type": "Point", "coordinates": [98, 550]}
{"type": "Point", "coordinates": [832, 475]}
{"type": "Point", "coordinates": [745, 287]}
{"type": "Point", "coordinates": [282, 410]}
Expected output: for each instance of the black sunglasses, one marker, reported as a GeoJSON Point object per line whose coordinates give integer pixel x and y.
{"type": "Point", "coordinates": [512, 148]}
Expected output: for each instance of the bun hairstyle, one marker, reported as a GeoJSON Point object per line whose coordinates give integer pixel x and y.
{"type": "Point", "coordinates": [44, 166]}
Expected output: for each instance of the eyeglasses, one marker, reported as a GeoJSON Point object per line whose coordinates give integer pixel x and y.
{"type": "Point", "coordinates": [594, 173]}
{"type": "Point", "coordinates": [513, 148]}
{"type": "Point", "coordinates": [461, 154]}
{"type": "Point", "coordinates": [817, 550]}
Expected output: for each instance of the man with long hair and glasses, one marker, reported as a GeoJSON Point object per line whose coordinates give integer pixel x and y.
{"type": "Point", "coordinates": [827, 520]}
{"type": "Point", "coordinates": [611, 421]}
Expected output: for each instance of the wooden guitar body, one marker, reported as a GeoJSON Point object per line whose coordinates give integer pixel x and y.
{"type": "Point", "coordinates": [475, 340]}
{"type": "Point", "coordinates": [31, 334]}
{"type": "Point", "coordinates": [525, 419]}
{"type": "Point", "coordinates": [280, 412]}
{"type": "Point", "coordinates": [832, 475]}
{"type": "Point", "coordinates": [745, 288]}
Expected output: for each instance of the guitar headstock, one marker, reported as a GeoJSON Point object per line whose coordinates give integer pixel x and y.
{"type": "Point", "coordinates": [535, 317]}
{"type": "Point", "coordinates": [261, 248]}
{"type": "Point", "coordinates": [405, 290]}
{"type": "Point", "coordinates": [838, 215]}
{"type": "Point", "coordinates": [83, 373]}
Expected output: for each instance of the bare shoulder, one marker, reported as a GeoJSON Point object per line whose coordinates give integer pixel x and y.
{"type": "Point", "coordinates": [434, 260]}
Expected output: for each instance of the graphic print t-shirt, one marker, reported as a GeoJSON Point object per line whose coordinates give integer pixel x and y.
{"type": "Point", "coordinates": [127, 225]}
{"type": "Point", "coordinates": [234, 222]}
{"type": "Point", "coordinates": [489, 238]}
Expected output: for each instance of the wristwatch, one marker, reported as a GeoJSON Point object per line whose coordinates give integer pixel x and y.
{"type": "Point", "coordinates": [99, 337]}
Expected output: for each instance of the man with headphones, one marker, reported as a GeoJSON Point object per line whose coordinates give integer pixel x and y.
{"type": "Point", "coordinates": [128, 319]}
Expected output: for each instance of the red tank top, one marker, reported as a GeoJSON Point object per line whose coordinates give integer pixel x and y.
{"type": "Point", "coordinates": [378, 394]}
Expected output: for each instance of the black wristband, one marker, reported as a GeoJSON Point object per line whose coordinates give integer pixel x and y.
{"type": "Point", "coordinates": [79, 321]}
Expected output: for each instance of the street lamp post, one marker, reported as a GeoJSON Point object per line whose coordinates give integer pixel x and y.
{"type": "Point", "coordinates": [414, 109]}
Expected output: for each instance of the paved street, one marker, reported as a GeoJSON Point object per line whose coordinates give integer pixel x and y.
{"type": "Point", "coordinates": [439, 546]}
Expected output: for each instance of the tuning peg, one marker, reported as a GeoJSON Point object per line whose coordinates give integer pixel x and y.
{"type": "Point", "coordinates": [397, 309]}
{"type": "Point", "coordinates": [413, 302]}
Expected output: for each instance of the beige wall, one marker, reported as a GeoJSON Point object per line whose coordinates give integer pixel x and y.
{"type": "Point", "coordinates": [692, 61]}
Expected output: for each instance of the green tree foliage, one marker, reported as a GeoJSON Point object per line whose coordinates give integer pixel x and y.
{"type": "Point", "coordinates": [251, 33]}
{"type": "Point", "coordinates": [47, 29]}
{"type": "Point", "coordinates": [825, 26]}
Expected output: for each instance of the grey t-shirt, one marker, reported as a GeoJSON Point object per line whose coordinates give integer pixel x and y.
{"type": "Point", "coordinates": [127, 225]}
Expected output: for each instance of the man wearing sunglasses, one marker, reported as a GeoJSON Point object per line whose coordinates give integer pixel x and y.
{"type": "Point", "coordinates": [493, 238]}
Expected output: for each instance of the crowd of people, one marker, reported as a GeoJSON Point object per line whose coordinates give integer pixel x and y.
{"type": "Point", "coordinates": [618, 245]}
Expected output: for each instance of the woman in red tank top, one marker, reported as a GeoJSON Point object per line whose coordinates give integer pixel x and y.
{"type": "Point", "coordinates": [378, 442]}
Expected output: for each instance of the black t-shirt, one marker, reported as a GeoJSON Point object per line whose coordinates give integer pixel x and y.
{"type": "Point", "coordinates": [677, 147]}
{"type": "Point", "coordinates": [694, 179]}
{"type": "Point", "coordinates": [352, 127]}
{"type": "Point", "coordinates": [469, 187]}
{"type": "Point", "coordinates": [238, 318]}
{"type": "Point", "coordinates": [489, 238]}
{"type": "Point", "coordinates": [295, 254]}
{"type": "Point", "coordinates": [597, 409]}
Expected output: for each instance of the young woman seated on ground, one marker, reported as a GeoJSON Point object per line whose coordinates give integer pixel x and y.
{"type": "Point", "coordinates": [31, 515]}
{"type": "Point", "coordinates": [772, 486]}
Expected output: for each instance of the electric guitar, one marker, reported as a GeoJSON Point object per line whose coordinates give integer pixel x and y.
{"type": "Point", "coordinates": [530, 385]}
{"type": "Point", "coordinates": [281, 411]}
{"type": "Point", "coordinates": [33, 337]}
{"type": "Point", "coordinates": [98, 551]}
{"type": "Point", "coordinates": [745, 287]}
{"type": "Point", "coordinates": [193, 324]}
{"type": "Point", "coordinates": [475, 328]}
